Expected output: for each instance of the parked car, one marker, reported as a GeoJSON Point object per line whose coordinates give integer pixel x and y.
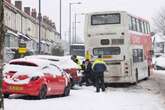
{"type": "Point", "coordinates": [159, 63]}
{"type": "Point", "coordinates": [66, 64]}
{"type": "Point", "coordinates": [34, 77]}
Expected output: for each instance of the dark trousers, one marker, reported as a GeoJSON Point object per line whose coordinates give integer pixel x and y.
{"type": "Point", "coordinates": [99, 81]}
{"type": "Point", "coordinates": [85, 78]}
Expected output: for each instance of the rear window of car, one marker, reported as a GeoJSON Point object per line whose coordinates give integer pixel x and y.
{"type": "Point", "coordinates": [22, 63]}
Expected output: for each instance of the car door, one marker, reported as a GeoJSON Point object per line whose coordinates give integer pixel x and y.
{"type": "Point", "coordinates": [59, 80]}
{"type": "Point", "coordinates": [50, 79]}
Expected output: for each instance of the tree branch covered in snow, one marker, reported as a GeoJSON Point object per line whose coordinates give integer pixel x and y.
{"type": "Point", "coordinates": [159, 21]}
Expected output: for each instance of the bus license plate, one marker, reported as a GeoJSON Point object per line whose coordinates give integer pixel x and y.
{"type": "Point", "coordinates": [15, 88]}
{"type": "Point", "coordinates": [106, 57]}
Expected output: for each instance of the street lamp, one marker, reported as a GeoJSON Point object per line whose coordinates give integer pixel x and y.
{"type": "Point", "coordinates": [39, 17]}
{"type": "Point", "coordinates": [70, 6]}
{"type": "Point", "coordinates": [75, 33]}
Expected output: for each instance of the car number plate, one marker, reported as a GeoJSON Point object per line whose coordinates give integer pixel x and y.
{"type": "Point", "coordinates": [15, 88]}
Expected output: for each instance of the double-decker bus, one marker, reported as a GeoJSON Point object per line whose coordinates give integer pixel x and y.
{"type": "Point", "coordinates": [77, 49]}
{"type": "Point", "coordinates": [125, 43]}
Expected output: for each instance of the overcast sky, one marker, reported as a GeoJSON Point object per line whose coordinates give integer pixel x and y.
{"type": "Point", "coordinates": [143, 8]}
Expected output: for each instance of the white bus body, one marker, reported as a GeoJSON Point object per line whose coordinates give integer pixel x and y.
{"type": "Point", "coordinates": [123, 49]}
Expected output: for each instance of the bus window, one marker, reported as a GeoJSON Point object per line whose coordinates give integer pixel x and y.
{"type": "Point", "coordinates": [130, 23]}
{"type": "Point", "coordinates": [105, 42]}
{"type": "Point", "coordinates": [137, 55]}
{"type": "Point", "coordinates": [107, 51]}
{"type": "Point", "coordinates": [141, 22]}
{"type": "Point", "coordinates": [77, 49]}
{"type": "Point", "coordinates": [140, 26]}
{"type": "Point", "coordinates": [134, 24]}
{"type": "Point", "coordinates": [148, 28]}
{"type": "Point", "coordinates": [103, 19]}
{"type": "Point", "coordinates": [144, 27]}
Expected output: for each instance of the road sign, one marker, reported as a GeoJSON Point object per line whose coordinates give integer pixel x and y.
{"type": "Point", "coordinates": [22, 45]}
{"type": "Point", "coordinates": [22, 48]}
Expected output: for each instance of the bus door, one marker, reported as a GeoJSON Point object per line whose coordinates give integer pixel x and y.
{"type": "Point", "coordinates": [139, 63]}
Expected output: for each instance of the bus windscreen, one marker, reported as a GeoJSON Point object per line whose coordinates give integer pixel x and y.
{"type": "Point", "coordinates": [103, 19]}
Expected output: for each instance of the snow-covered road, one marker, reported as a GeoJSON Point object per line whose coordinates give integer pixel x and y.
{"type": "Point", "coordinates": [140, 97]}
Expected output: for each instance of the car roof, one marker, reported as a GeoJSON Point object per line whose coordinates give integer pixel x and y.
{"type": "Point", "coordinates": [62, 61]}
{"type": "Point", "coordinates": [39, 62]}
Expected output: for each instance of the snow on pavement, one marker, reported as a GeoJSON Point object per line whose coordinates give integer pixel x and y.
{"type": "Point", "coordinates": [85, 98]}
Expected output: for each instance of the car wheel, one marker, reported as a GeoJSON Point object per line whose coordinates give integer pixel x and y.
{"type": "Point", "coordinates": [42, 92]}
{"type": "Point", "coordinates": [72, 83]}
{"type": "Point", "coordinates": [67, 90]}
{"type": "Point", "coordinates": [6, 95]}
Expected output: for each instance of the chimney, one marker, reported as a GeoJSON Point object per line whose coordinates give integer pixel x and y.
{"type": "Point", "coordinates": [27, 10]}
{"type": "Point", "coordinates": [9, 1]}
{"type": "Point", "coordinates": [34, 13]}
{"type": "Point", "coordinates": [53, 25]}
{"type": "Point", "coordinates": [18, 4]}
{"type": "Point", "coordinates": [45, 19]}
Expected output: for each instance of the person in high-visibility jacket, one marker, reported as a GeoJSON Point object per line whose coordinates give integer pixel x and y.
{"type": "Point", "coordinates": [99, 67]}
{"type": "Point", "coordinates": [76, 60]}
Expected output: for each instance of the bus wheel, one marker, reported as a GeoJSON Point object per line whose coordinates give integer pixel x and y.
{"type": "Point", "coordinates": [136, 75]}
{"type": "Point", "coordinates": [149, 72]}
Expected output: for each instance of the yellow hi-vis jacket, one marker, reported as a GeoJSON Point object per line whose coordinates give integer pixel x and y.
{"type": "Point", "coordinates": [98, 61]}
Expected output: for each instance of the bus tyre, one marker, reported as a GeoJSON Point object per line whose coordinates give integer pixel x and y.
{"type": "Point", "coordinates": [136, 76]}
{"type": "Point", "coordinates": [42, 92]}
{"type": "Point", "coordinates": [149, 72]}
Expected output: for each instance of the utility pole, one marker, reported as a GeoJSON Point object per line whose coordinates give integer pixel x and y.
{"type": "Point", "coordinates": [39, 18]}
{"type": "Point", "coordinates": [75, 27]}
{"type": "Point", "coordinates": [2, 36]}
{"type": "Point", "coordinates": [70, 20]}
{"type": "Point", "coordinates": [60, 16]}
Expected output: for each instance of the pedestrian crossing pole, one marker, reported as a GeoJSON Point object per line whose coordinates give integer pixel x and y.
{"type": "Point", "coordinates": [2, 34]}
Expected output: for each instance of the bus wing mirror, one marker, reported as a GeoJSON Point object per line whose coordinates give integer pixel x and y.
{"type": "Point", "coordinates": [151, 52]}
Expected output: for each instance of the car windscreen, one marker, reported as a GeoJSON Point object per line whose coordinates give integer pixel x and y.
{"type": "Point", "coordinates": [23, 63]}
{"type": "Point", "coordinates": [103, 19]}
{"type": "Point", "coordinates": [107, 51]}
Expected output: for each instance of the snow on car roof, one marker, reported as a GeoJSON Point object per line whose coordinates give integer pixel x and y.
{"type": "Point", "coordinates": [64, 62]}
{"type": "Point", "coordinates": [36, 61]}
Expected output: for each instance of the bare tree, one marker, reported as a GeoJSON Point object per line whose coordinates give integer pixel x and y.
{"type": "Point", "coordinates": [159, 21]}
{"type": "Point", "coordinates": [2, 34]}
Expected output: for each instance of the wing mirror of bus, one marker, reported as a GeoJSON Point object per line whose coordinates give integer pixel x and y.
{"type": "Point", "coordinates": [152, 33]}
{"type": "Point", "coordinates": [151, 52]}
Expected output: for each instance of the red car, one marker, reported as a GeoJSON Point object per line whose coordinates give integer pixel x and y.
{"type": "Point", "coordinates": [65, 63]}
{"type": "Point", "coordinates": [34, 77]}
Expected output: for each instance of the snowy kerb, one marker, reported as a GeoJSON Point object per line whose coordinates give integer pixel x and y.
{"type": "Point", "coordinates": [85, 98]}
